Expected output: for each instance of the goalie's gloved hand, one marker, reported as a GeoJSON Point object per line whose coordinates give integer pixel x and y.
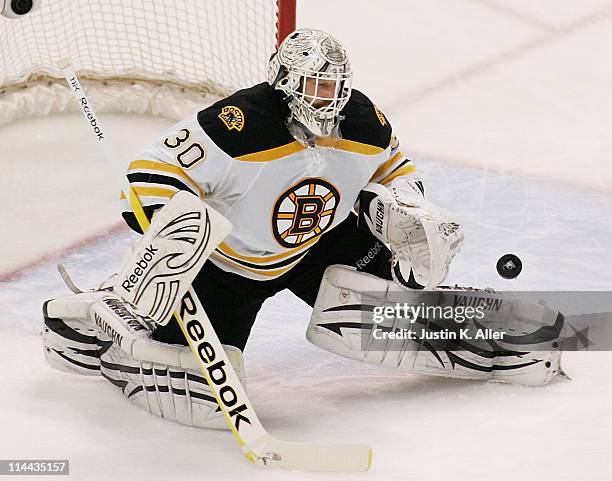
{"type": "Point", "coordinates": [423, 237]}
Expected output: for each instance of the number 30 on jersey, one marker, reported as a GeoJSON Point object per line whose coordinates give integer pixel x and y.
{"type": "Point", "coordinates": [189, 152]}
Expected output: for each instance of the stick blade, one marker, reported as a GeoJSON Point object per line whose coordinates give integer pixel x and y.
{"type": "Point", "coordinates": [346, 458]}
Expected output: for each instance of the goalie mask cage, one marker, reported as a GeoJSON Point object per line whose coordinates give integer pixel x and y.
{"type": "Point", "coordinates": [160, 57]}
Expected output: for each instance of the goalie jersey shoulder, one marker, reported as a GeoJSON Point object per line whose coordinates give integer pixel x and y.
{"type": "Point", "coordinates": [248, 121]}
{"type": "Point", "coordinates": [364, 122]}
{"type": "Point", "coordinates": [252, 120]}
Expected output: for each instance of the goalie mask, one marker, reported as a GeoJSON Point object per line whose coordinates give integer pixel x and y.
{"type": "Point", "coordinates": [312, 69]}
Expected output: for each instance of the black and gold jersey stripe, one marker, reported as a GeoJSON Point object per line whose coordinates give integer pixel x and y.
{"type": "Point", "coordinates": [267, 266]}
{"type": "Point", "coordinates": [396, 166]}
{"type": "Point", "coordinates": [155, 183]}
{"type": "Point", "coordinates": [404, 168]}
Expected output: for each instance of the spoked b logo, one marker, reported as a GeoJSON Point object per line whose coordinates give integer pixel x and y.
{"type": "Point", "coordinates": [304, 211]}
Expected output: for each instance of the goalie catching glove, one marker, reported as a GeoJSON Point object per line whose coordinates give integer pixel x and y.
{"type": "Point", "coordinates": [422, 236]}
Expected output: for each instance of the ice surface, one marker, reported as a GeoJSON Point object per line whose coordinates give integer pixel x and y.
{"type": "Point", "coordinates": [57, 188]}
{"type": "Point", "coordinates": [504, 107]}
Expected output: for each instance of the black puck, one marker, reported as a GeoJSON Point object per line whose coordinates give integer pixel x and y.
{"type": "Point", "coordinates": [509, 266]}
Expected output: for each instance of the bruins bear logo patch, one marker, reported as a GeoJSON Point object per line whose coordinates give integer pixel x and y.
{"type": "Point", "coordinates": [304, 211]}
{"type": "Point", "coordinates": [232, 117]}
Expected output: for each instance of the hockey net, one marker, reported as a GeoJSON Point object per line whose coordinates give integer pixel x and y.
{"type": "Point", "coordinates": [160, 57]}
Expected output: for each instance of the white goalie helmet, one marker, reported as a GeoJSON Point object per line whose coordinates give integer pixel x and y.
{"type": "Point", "coordinates": [312, 69]}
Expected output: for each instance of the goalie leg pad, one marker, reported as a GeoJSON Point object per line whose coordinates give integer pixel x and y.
{"type": "Point", "coordinates": [70, 341]}
{"type": "Point", "coordinates": [99, 333]}
{"type": "Point", "coordinates": [73, 324]}
{"type": "Point", "coordinates": [175, 393]}
{"type": "Point", "coordinates": [343, 322]}
{"type": "Point", "coordinates": [71, 346]}
{"type": "Point", "coordinates": [164, 379]}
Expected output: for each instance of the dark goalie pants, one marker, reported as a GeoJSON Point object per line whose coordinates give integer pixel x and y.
{"type": "Point", "coordinates": [232, 301]}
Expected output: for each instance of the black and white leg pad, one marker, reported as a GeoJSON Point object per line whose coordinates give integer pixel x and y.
{"type": "Point", "coordinates": [70, 340]}
{"type": "Point", "coordinates": [177, 393]}
{"type": "Point", "coordinates": [71, 345]}
{"type": "Point", "coordinates": [97, 333]}
{"type": "Point", "coordinates": [343, 322]}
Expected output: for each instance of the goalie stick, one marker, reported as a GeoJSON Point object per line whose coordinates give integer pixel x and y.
{"type": "Point", "coordinates": [259, 447]}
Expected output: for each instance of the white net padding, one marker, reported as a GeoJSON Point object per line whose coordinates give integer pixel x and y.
{"type": "Point", "coordinates": [156, 56]}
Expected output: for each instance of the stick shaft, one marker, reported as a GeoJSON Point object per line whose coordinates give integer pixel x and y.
{"type": "Point", "coordinates": [101, 134]}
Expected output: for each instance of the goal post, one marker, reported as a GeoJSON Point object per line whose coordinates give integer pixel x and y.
{"type": "Point", "coordinates": [286, 19]}
{"type": "Point", "coordinates": [150, 56]}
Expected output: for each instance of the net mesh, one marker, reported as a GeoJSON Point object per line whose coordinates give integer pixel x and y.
{"type": "Point", "coordinates": [215, 46]}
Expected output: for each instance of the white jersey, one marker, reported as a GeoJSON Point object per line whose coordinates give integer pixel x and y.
{"type": "Point", "coordinates": [280, 195]}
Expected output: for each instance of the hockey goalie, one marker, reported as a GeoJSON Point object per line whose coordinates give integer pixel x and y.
{"type": "Point", "coordinates": [322, 202]}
